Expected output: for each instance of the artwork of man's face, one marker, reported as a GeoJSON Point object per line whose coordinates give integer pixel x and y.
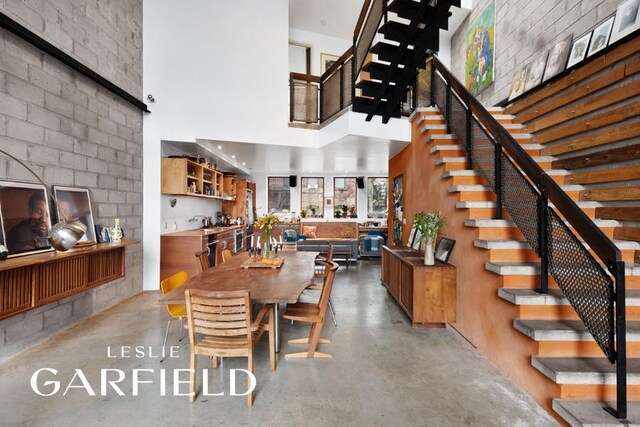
{"type": "Point", "coordinates": [65, 210]}
{"type": "Point", "coordinates": [38, 218]}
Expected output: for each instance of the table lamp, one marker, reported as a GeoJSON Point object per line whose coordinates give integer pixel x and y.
{"type": "Point", "coordinates": [64, 234]}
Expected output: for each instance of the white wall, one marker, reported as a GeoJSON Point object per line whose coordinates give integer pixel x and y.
{"type": "Point", "coordinates": [320, 44]}
{"type": "Point", "coordinates": [261, 194]}
{"type": "Point", "coordinates": [177, 218]}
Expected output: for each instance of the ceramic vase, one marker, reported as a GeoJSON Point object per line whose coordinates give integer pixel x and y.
{"type": "Point", "coordinates": [428, 253]}
{"type": "Point", "coordinates": [116, 232]}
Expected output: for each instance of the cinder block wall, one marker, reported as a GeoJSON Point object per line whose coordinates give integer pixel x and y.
{"type": "Point", "coordinates": [525, 28]}
{"type": "Point", "coordinates": [74, 132]}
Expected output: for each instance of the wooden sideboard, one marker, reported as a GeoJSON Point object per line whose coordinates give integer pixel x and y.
{"type": "Point", "coordinates": [31, 281]}
{"type": "Point", "coordinates": [426, 293]}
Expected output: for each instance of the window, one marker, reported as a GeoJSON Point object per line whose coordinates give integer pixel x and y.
{"type": "Point", "coordinates": [377, 197]}
{"type": "Point", "coordinates": [312, 197]}
{"type": "Point", "coordinates": [279, 194]}
{"type": "Point", "coordinates": [345, 199]}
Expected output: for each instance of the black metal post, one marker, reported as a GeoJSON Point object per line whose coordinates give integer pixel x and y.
{"type": "Point", "coordinates": [543, 244]}
{"type": "Point", "coordinates": [342, 86]}
{"type": "Point", "coordinates": [469, 138]}
{"type": "Point", "coordinates": [291, 100]}
{"type": "Point", "coordinates": [354, 65]}
{"type": "Point", "coordinates": [448, 109]}
{"type": "Point", "coordinates": [414, 94]}
{"type": "Point", "coordinates": [384, 11]}
{"type": "Point", "coordinates": [621, 339]}
{"type": "Point", "coordinates": [320, 102]}
{"type": "Point", "coordinates": [498, 180]}
{"type": "Point", "coordinates": [432, 87]}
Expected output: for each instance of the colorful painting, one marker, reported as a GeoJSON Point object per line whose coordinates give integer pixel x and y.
{"type": "Point", "coordinates": [480, 47]}
{"type": "Point", "coordinates": [397, 210]}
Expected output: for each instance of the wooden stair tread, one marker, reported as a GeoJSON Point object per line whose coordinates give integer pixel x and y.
{"type": "Point", "coordinates": [584, 370]}
{"type": "Point", "coordinates": [566, 330]}
{"type": "Point", "coordinates": [533, 268]}
{"type": "Point", "coordinates": [525, 296]}
{"type": "Point", "coordinates": [591, 413]}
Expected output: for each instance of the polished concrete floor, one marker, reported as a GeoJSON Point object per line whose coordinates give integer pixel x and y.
{"type": "Point", "coordinates": [383, 374]}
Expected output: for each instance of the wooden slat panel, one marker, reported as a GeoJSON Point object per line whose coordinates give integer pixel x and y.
{"type": "Point", "coordinates": [106, 266]}
{"type": "Point", "coordinates": [624, 51]}
{"type": "Point", "coordinates": [627, 233]}
{"type": "Point", "coordinates": [15, 291]}
{"type": "Point", "coordinates": [596, 103]}
{"type": "Point", "coordinates": [608, 175]}
{"type": "Point", "coordinates": [59, 279]}
{"type": "Point", "coordinates": [611, 194]}
{"type": "Point", "coordinates": [603, 157]}
{"type": "Point", "coordinates": [581, 91]}
{"type": "Point", "coordinates": [594, 121]}
{"type": "Point", "coordinates": [619, 213]}
{"type": "Point", "coordinates": [595, 139]}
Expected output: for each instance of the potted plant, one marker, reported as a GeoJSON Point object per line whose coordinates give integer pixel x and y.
{"type": "Point", "coordinates": [429, 224]}
{"type": "Point", "coordinates": [303, 213]}
{"type": "Point", "coordinates": [337, 213]}
{"type": "Point", "coordinates": [352, 212]}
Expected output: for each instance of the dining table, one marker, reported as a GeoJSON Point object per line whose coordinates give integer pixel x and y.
{"type": "Point", "coordinates": [266, 285]}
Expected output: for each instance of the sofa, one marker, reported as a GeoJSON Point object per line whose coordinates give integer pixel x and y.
{"type": "Point", "coordinates": [319, 235]}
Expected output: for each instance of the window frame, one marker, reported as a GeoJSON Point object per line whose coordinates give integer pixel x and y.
{"type": "Point", "coordinates": [286, 178]}
{"type": "Point", "coordinates": [377, 177]}
{"type": "Point", "coordinates": [321, 178]}
{"type": "Point", "coordinates": [355, 179]}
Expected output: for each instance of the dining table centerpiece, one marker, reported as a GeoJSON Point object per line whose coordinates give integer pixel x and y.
{"type": "Point", "coordinates": [266, 223]}
{"type": "Point", "coordinates": [429, 224]}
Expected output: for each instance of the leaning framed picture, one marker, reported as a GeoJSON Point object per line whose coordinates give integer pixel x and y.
{"type": "Point", "coordinates": [75, 203]}
{"type": "Point", "coordinates": [24, 214]}
{"type": "Point", "coordinates": [627, 19]}
{"type": "Point", "coordinates": [417, 240]}
{"type": "Point", "coordinates": [600, 38]}
{"type": "Point", "coordinates": [579, 49]}
{"type": "Point", "coordinates": [326, 61]}
{"type": "Point", "coordinates": [412, 235]}
{"type": "Point", "coordinates": [444, 249]}
{"type": "Point", "coordinates": [557, 58]}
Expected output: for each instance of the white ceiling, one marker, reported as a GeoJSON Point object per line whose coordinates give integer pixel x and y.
{"type": "Point", "coordinates": [339, 16]}
{"type": "Point", "coordinates": [351, 154]}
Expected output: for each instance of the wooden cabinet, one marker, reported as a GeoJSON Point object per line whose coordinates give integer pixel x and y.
{"type": "Point", "coordinates": [178, 253]}
{"type": "Point", "coordinates": [237, 208]}
{"type": "Point", "coordinates": [426, 293]}
{"type": "Point", "coordinates": [183, 177]}
{"type": "Point", "coordinates": [229, 186]}
{"type": "Point", "coordinates": [253, 214]}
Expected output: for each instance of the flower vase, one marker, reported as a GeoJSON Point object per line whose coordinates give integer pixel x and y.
{"type": "Point", "coordinates": [428, 253]}
{"type": "Point", "coordinates": [265, 245]}
{"type": "Point", "coordinates": [116, 232]}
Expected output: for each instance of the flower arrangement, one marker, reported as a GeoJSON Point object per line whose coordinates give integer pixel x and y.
{"type": "Point", "coordinates": [266, 223]}
{"type": "Point", "coordinates": [429, 224]}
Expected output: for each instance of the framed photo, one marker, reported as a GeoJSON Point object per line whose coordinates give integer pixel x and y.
{"type": "Point", "coordinates": [519, 80]}
{"type": "Point", "coordinates": [579, 49]}
{"type": "Point", "coordinates": [327, 60]}
{"type": "Point", "coordinates": [626, 21]}
{"type": "Point", "coordinates": [24, 214]}
{"type": "Point", "coordinates": [557, 58]}
{"type": "Point", "coordinates": [416, 243]}
{"type": "Point", "coordinates": [444, 249]}
{"type": "Point", "coordinates": [75, 203]}
{"type": "Point", "coordinates": [412, 235]}
{"type": "Point", "coordinates": [600, 38]}
{"type": "Point", "coordinates": [536, 70]}
{"type": "Point", "coordinates": [328, 201]}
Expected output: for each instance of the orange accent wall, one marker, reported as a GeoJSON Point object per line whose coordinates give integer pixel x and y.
{"type": "Point", "coordinates": [482, 317]}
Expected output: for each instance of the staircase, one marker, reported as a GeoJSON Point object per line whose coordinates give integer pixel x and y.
{"type": "Point", "coordinates": [410, 30]}
{"type": "Point", "coordinates": [572, 368]}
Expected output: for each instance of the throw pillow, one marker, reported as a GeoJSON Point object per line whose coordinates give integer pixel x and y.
{"type": "Point", "coordinates": [309, 231]}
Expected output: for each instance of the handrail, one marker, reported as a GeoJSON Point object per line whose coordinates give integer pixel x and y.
{"type": "Point", "coordinates": [334, 67]}
{"type": "Point", "coordinates": [595, 238]}
{"type": "Point", "coordinates": [363, 14]}
{"type": "Point", "coordinates": [304, 77]}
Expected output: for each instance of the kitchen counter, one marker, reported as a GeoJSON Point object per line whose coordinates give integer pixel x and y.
{"type": "Point", "coordinates": [204, 231]}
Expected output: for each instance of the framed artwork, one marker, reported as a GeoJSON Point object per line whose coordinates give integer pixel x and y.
{"type": "Point", "coordinates": [444, 249]}
{"type": "Point", "coordinates": [626, 21]}
{"type": "Point", "coordinates": [536, 70]}
{"type": "Point", "coordinates": [326, 61]}
{"type": "Point", "coordinates": [480, 51]}
{"type": "Point", "coordinates": [519, 80]}
{"type": "Point", "coordinates": [397, 210]}
{"type": "Point", "coordinates": [411, 236]}
{"type": "Point", "coordinates": [600, 38]}
{"type": "Point", "coordinates": [557, 58]}
{"type": "Point", "coordinates": [579, 49]}
{"type": "Point", "coordinates": [328, 201]}
{"type": "Point", "coordinates": [75, 203]}
{"type": "Point", "coordinates": [24, 214]}
{"type": "Point", "coordinates": [416, 243]}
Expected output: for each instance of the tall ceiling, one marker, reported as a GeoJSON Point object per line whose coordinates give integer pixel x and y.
{"type": "Point", "coordinates": [336, 18]}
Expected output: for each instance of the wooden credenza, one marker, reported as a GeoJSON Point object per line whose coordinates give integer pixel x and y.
{"type": "Point", "coordinates": [426, 293]}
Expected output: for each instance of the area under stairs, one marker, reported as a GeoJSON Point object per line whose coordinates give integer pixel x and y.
{"type": "Point", "coordinates": [412, 29]}
{"type": "Point", "coordinates": [566, 354]}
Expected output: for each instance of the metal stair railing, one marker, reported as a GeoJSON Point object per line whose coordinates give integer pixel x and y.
{"type": "Point", "coordinates": [524, 190]}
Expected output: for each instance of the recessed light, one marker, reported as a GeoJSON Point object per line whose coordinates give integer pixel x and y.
{"type": "Point", "coordinates": [244, 164]}
{"type": "Point", "coordinates": [219, 147]}
{"type": "Point", "coordinates": [233, 156]}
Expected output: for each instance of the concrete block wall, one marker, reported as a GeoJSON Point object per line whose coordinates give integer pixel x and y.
{"type": "Point", "coordinates": [523, 30]}
{"type": "Point", "coordinates": [74, 132]}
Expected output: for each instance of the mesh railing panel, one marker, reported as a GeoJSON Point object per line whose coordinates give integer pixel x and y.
{"type": "Point", "coordinates": [483, 153]}
{"type": "Point", "coordinates": [440, 94]}
{"type": "Point", "coordinates": [423, 89]}
{"type": "Point", "coordinates": [347, 82]}
{"type": "Point", "coordinates": [583, 281]}
{"type": "Point", "coordinates": [304, 102]}
{"type": "Point", "coordinates": [520, 199]}
{"type": "Point", "coordinates": [458, 120]}
{"type": "Point", "coordinates": [330, 96]}
{"type": "Point", "coordinates": [368, 32]}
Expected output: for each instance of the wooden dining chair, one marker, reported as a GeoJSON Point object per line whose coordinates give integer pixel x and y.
{"type": "Point", "coordinates": [226, 255]}
{"type": "Point", "coordinates": [318, 279]}
{"type": "Point", "coordinates": [220, 325]}
{"type": "Point", "coordinates": [314, 313]}
{"type": "Point", "coordinates": [203, 259]}
{"type": "Point", "coordinates": [176, 311]}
